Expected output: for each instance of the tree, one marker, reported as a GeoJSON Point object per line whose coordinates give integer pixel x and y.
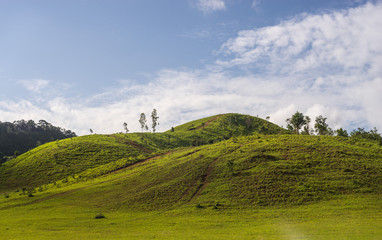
{"type": "Point", "coordinates": [307, 130]}
{"type": "Point", "coordinates": [321, 127]}
{"type": "Point", "coordinates": [296, 122]}
{"type": "Point", "coordinates": [372, 134]}
{"type": "Point", "coordinates": [154, 117]}
{"type": "Point", "coordinates": [342, 133]}
{"type": "Point", "coordinates": [125, 127]}
{"type": "Point", "coordinates": [142, 121]}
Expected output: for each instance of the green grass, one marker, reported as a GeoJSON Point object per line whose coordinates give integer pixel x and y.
{"type": "Point", "coordinates": [95, 155]}
{"type": "Point", "coordinates": [251, 186]}
{"type": "Point", "coordinates": [260, 170]}
{"type": "Point", "coordinates": [57, 160]}
{"type": "Point", "coordinates": [351, 217]}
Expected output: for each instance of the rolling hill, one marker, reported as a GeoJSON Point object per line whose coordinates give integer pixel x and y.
{"type": "Point", "coordinates": [66, 158]}
{"type": "Point", "coordinates": [163, 170]}
{"type": "Point", "coordinates": [229, 176]}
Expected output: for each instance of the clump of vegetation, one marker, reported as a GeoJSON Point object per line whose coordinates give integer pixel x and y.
{"type": "Point", "coordinates": [199, 206]}
{"type": "Point", "coordinates": [99, 216]}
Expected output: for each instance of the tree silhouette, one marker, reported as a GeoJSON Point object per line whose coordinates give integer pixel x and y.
{"type": "Point", "coordinates": [154, 117]}
{"type": "Point", "coordinates": [142, 121]}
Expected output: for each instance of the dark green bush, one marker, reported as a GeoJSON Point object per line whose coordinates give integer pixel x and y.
{"type": "Point", "coordinates": [99, 216]}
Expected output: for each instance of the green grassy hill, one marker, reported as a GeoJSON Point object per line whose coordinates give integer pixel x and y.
{"type": "Point", "coordinates": [257, 170]}
{"type": "Point", "coordinates": [70, 157]}
{"type": "Point", "coordinates": [56, 160]}
{"type": "Point", "coordinates": [236, 181]}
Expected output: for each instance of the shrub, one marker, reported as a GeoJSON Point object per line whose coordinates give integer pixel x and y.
{"type": "Point", "coordinates": [99, 216]}
{"type": "Point", "coordinates": [199, 206]}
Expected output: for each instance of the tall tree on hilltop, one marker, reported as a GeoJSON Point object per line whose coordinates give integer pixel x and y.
{"type": "Point", "coordinates": [297, 121]}
{"type": "Point", "coordinates": [321, 127]}
{"type": "Point", "coordinates": [307, 130]}
{"type": "Point", "coordinates": [142, 121]}
{"type": "Point", "coordinates": [125, 127]}
{"type": "Point", "coordinates": [154, 117]}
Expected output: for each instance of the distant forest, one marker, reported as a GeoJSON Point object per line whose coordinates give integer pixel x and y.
{"type": "Point", "coordinates": [20, 136]}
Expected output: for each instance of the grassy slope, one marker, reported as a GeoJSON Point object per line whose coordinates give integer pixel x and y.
{"type": "Point", "coordinates": [339, 177]}
{"type": "Point", "coordinates": [68, 158]}
{"type": "Point", "coordinates": [248, 187]}
{"type": "Point", "coordinates": [56, 160]}
{"type": "Point", "coordinates": [247, 171]}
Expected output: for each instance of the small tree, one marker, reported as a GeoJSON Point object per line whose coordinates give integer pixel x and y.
{"type": "Point", "coordinates": [154, 117]}
{"type": "Point", "coordinates": [321, 127]}
{"type": "Point", "coordinates": [307, 130]}
{"type": "Point", "coordinates": [142, 121]}
{"type": "Point", "coordinates": [296, 122]}
{"type": "Point", "coordinates": [125, 127]}
{"type": "Point", "coordinates": [342, 133]}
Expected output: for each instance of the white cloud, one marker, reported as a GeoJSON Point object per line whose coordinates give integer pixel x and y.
{"type": "Point", "coordinates": [337, 40]}
{"type": "Point", "coordinates": [208, 6]}
{"type": "Point", "coordinates": [35, 85]}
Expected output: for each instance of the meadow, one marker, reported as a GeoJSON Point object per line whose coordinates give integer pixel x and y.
{"type": "Point", "coordinates": [350, 217]}
{"type": "Point", "coordinates": [224, 177]}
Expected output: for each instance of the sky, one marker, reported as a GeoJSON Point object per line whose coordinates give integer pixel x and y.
{"type": "Point", "coordinates": [82, 64]}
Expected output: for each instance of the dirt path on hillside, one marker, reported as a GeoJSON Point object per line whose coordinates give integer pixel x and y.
{"type": "Point", "coordinates": [202, 185]}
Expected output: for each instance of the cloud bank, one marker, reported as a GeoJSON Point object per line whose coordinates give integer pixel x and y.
{"type": "Point", "coordinates": [326, 64]}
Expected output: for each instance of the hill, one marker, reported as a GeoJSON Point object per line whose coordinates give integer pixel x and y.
{"type": "Point", "coordinates": [257, 170]}
{"type": "Point", "coordinates": [66, 158]}
{"type": "Point", "coordinates": [249, 186]}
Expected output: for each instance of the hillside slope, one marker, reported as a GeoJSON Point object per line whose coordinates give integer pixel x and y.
{"type": "Point", "coordinates": [257, 170]}
{"type": "Point", "coordinates": [56, 160]}
{"type": "Point", "coordinates": [67, 158]}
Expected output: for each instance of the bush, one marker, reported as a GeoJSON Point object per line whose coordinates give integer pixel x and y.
{"type": "Point", "coordinates": [99, 216]}
{"type": "Point", "coordinates": [199, 206]}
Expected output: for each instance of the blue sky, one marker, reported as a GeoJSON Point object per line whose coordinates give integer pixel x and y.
{"type": "Point", "coordinates": [96, 64]}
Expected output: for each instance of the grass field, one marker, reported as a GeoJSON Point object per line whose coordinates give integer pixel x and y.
{"type": "Point", "coordinates": [213, 178]}
{"type": "Point", "coordinates": [350, 217]}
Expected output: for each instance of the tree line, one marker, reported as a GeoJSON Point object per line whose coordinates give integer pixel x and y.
{"type": "Point", "coordinates": [300, 124]}
{"type": "Point", "coordinates": [20, 136]}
